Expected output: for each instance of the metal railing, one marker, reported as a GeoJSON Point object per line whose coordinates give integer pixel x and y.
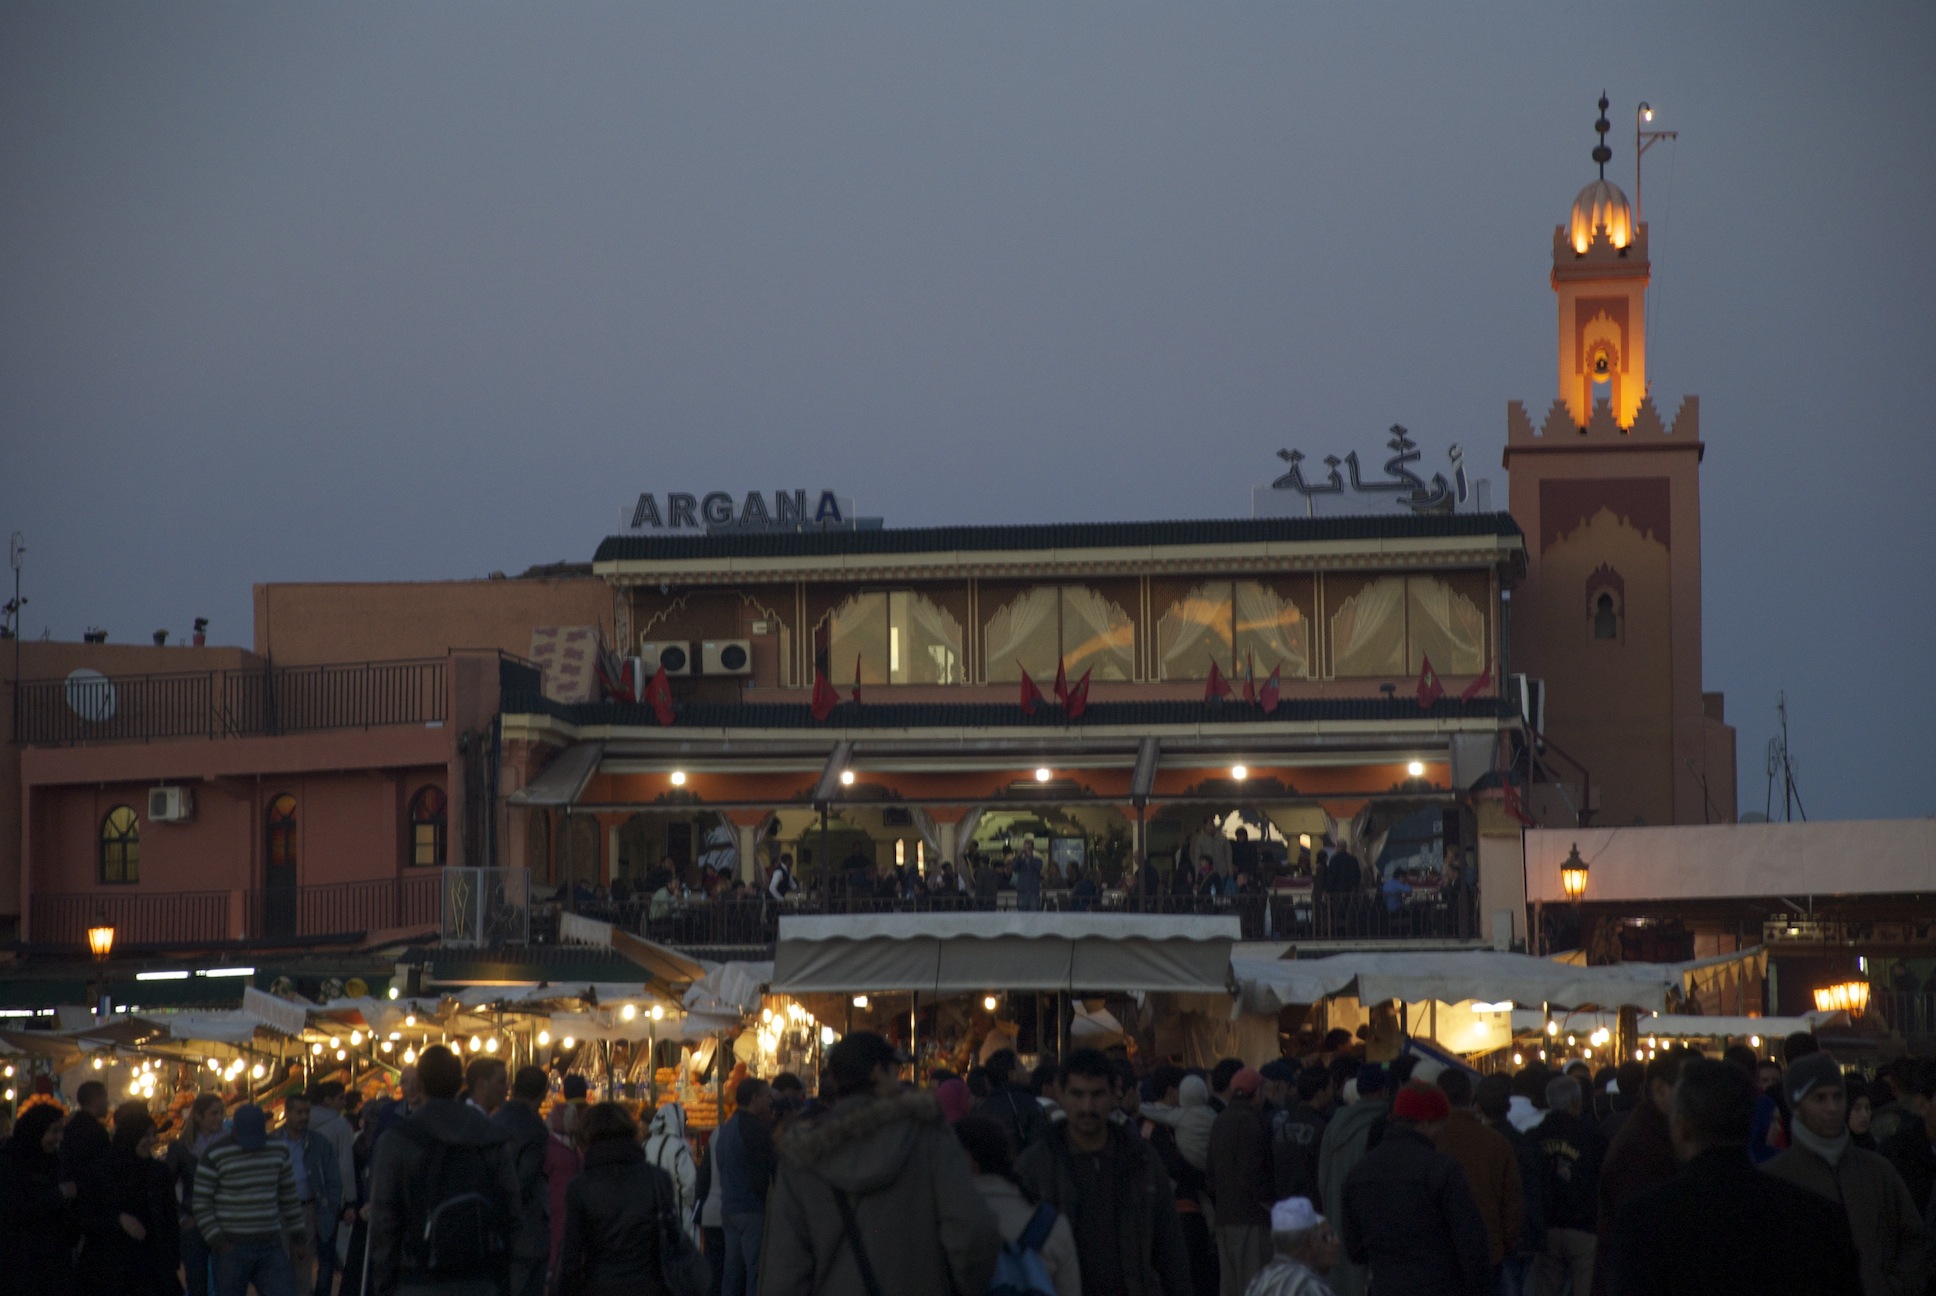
{"type": "Point", "coordinates": [245, 701]}
{"type": "Point", "coordinates": [1911, 1015]}
{"type": "Point", "coordinates": [486, 907]}
{"type": "Point", "coordinates": [345, 907]}
{"type": "Point", "coordinates": [138, 918]}
{"type": "Point", "coordinates": [754, 922]}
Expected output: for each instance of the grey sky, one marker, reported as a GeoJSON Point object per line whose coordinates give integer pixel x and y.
{"type": "Point", "coordinates": [297, 292]}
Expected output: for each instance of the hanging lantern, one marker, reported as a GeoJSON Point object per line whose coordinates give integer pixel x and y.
{"type": "Point", "coordinates": [100, 937]}
{"type": "Point", "coordinates": [1573, 875]}
{"type": "Point", "coordinates": [1851, 997]}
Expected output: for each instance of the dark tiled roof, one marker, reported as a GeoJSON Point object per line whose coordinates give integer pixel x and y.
{"type": "Point", "coordinates": [963, 715]}
{"type": "Point", "coordinates": [1051, 535]}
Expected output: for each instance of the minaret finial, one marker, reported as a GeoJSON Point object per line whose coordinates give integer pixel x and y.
{"type": "Point", "coordinates": [1601, 153]}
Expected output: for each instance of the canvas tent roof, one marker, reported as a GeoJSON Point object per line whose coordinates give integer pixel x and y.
{"type": "Point", "coordinates": [1266, 985]}
{"type": "Point", "coordinates": [965, 953]}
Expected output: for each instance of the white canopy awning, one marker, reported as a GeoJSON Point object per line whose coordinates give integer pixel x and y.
{"type": "Point", "coordinates": [1267, 985]}
{"type": "Point", "coordinates": [1682, 1026]}
{"type": "Point", "coordinates": [965, 953]}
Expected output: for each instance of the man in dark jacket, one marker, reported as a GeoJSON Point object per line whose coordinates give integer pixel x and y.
{"type": "Point", "coordinates": [526, 1140]}
{"type": "Point", "coordinates": [1640, 1157]}
{"type": "Point", "coordinates": [743, 1160]}
{"type": "Point", "coordinates": [453, 1141]}
{"type": "Point", "coordinates": [1408, 1213]}
{"type": "Point", "coordinates": [1240, 1184]}
{"type": "Point", "coordinates": [1010, 1104]}
{"type": "Point", "coordinates": [1571, 1150]}
{"type": "Point", "coordinates": [1297, 1134]}
{"type": "Point", "coordinates": [1491, 1167]}
{"type": "Point", "coordinates": [1720, 1227]}
{"type": "Point", "coordinates": [1493, 1095]}
{"type": "Point", "coordinates": [1911, 1149]}
{"type": "Point", "coordinates": [876, 1194]}
{"type": "Point", "coordinates": [1112, 1188]}
{"type": "Point", "coordinates": [84, 1148]}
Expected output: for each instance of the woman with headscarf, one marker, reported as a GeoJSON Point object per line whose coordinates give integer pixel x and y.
{"type": "Point", "coordinates": [666, 1148]}
{"type": "Point", "coordinates": [36, 1212]}
{"type": "Point", "coordinates": [562, 1164]}
{"type": "Point", "coordinates": [130, 1243]}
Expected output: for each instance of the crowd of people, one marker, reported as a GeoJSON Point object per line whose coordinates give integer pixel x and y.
{"type": "Point", "coordinates": [1326, 1175]}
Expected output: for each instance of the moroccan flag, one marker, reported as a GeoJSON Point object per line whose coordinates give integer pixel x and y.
{"type": "Point", "coordinates": [1061, 683]}
{"type": "Point", "coordinates": [1429, 688]}
{"type": "Point", "coordinates": [1216, 688]}
{"type": "Point", "coordinates": [1478, 686]}
{"type": "Point", "coordinates": [658, 695]}
{"type": "Point", "coordinates": [1078, 700]}
{"type": "Point", "coordinates": [856, 679]}
{"type": "Point", "coordinates": [1515, 804]}
{"type": "Point", "coordinates": [824, 697]}
{"type": "Point", "coordinates": [1031, 695]}
{"type": "Point", "coordinates": [1267, 699]}
{"type": "Point", "coordinates": [1250, 679]}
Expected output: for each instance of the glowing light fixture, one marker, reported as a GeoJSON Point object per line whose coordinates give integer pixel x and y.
{"type": "Point", "coordinates": [658, 1012]}
{"type": "Point", "coordinates": [410, 1057]}
{"type": "Point", "coordinates": [846, 778]}
{"type": "Point", "coordinates": [827, 1036]}
{"type": "Point", "coordinates": [258, 1071]}
{"type": "Point", "coordinates": [393, 992]}
{"type": "Point", "coordinates": [989, 1002]}
{"type": "Point", "coordinates": [356, 1038]}
{"type": "Point", "coordinates": [570, 1042]}
{"type": "Point", "coordinates": [629, 1011]}
{"type": "Point", "coordinates": [544, 1039]}
{"type": "Point", "coordinates": [410, 1019]}
{"type": "Point", "coordinates": [1239, 772]}
{"type": "Point", "coordinates": [1573, 871]}
{"type": "Point", "coordinates": [1754, 1041]}
{"type": "Point", "coordinates": [678, 778]}
{"type": "Point", "coordinates": [1552, 1028]}
{"type": "Point", "coordinates": [476, 1043]}
{"type": "Point", "coordinates": [1416, 769]}
{"type": "Point", "coordinates": [100, 937]}
{"type": "Point", "coordinates": [860, 1001]}
{"type": "Point", "coordinates": [490, 1045]}
{"type": "Point", "coordinates": [1851, 997]}
{"type": "Point", "coordinates": [1043, 775]}
{"type": "Point", "coordinates": [317, 1049]}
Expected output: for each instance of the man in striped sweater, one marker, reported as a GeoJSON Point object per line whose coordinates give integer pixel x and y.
{"type": "Point", "coordinates": [247, 1208]}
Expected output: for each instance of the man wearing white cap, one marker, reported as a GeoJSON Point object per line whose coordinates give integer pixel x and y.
{"type": "Point", "coordinates": [1306, 1246]}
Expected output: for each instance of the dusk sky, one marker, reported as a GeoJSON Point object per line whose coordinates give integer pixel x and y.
{"type": "Point", "coordinates": [410, 291]}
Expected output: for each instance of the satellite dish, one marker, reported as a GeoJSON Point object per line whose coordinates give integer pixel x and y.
{"type": "Point", "coordinates": [90, 695]}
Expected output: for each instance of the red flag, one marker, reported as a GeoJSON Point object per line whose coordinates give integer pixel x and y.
{"type": "Point", "coordinates": [1078, 699]}
{"type": "Point", "coordinates": [1061, 683]}
{"type": "Point", "coordinates": [1250, 679]}
{"type": "Point", "coordinates": [659, 695]}
{"type": "Point", "coordinates": [1429, 688]}
{"type": "Point", "coordinates": [856, 679]}
{"type": "Point", "coordinates": [1031, 695]}
{"type": "Point", "coordinates": [1516, 804]}
{"type": "Point", "coordinates": [824, 697]}
{"type": "Point", "coordinates": [1478, 686]}
{"type": "Point", "coordinates": [1216, 688]}
{"type": "Point", "coordinates": [1268, 698]}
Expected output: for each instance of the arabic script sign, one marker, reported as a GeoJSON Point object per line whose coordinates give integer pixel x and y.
{"type": "Point", "coordinates": [1350, 491]}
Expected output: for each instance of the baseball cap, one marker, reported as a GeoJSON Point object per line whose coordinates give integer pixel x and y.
{"type": "Point", "coordinates": [1246, 1081]}
{"type": "Point", "coordinates": [1279, 1070]}
{"type": "Point", "coordinates": [1809, 1073]}
{"type": "Point", "coordinates": [1422, 1103]}
{"type": "Point", "coordinates": [1294, 1215]}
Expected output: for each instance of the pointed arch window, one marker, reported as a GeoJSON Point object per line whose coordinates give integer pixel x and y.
{"type": "Point", "coordinates": [428, 816]}
{"type": "Point", "coordinates": [120, 846]}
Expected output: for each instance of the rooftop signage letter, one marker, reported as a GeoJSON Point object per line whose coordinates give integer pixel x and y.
{"type": "Point", "coordinates": [1411, 490]}
{"type": "Point", "coordinates": [714, 511]}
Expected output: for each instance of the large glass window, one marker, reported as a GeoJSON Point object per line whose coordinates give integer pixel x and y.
{"type": "Point", "coordinates": [1073, 624]}
{"type": "Point", "coordinates": [897, 637]}
{"type": "Point", "coordinates": [1237, 624]}
{"type": "Point", "coordinates": [1391, 625]}
{"type": "Point", "coordinates": [427, 820]}
{"type": "Point", "coordinates": [120, 846]}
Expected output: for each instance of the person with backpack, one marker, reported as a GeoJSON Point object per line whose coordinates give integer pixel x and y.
{"type": "Point", "coordinates": [1038, 1249]}
{"type": "Point", "coordinates": [443, 1195]}
{"type": "Point", "coordinates": [1009, 1102]}
{"type": "Point", "coordinates": [666, 1148]}
{"type": "Point", "coordinates": [875, 1196]}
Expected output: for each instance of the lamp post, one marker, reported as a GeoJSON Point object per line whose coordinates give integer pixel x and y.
{"type": "Point", "coordinates": [1645, 139]}
{"type": "Point", "coordinates": [1573, 872]}
{"type": "Point", "coordinates": [100, 942]}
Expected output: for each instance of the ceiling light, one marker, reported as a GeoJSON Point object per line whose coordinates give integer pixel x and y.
{"type": "Point", "coordinates": [629, 1011]}
{"type": "Point", "coordinates": [490, 1045]}
{"type": "Point", "coordinates": [476, 1043]}
{"type": "Point", "coordinates": [860, 1001]}
{"type": "Point", "coordinates": [847, 778]}
{"type": "Point", "coordinates": [988, 1002]}
{"type": "Point", "coordinates": [678, 778]}
{"type": "Point", "coordinates": [1416, 769]}
{"type": "Point", "coordinates": [356, 1037]}
{"type": "Point", "coordinates": [393, 992]}
{"type": "Point", "coordinates": [161, 976]}
{"type": "Point", "coordinates": [1042, 775]}
{"type": "Point", "coordinates": [570, 1042]}
{"type": "Point", "coordinates": [1240, 772]}
{"type": "Point", "coordinates": [658, 1012]}
{"type": "Point", "coordinates": [410, 1057]}
{"type": "Point", "coordinates": [544, 1039]}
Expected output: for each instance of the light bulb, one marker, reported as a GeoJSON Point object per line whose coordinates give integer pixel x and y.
{"type": "Point", "coordinates": [317, 1049]}
{"type": "Point", "coordinates": [766, 1014]}
{"type": "Point", "coordinates": [988, 1002]}
{"type": "Point", "coordinates": [847, 778]}
{"type": "Point", "coordinates": [410, 1019]}
{"type": "Point", "coordinates": [629, 1011]}
{"type": "Point", "coordinates": [97, 1064]}
{"type": "Point", "coordinates": [396, 1035]}
{"type": "Point", "coordinates": [544, 1038]}
{"type": "Point", "coordinates": [409, 1056]}
{"type": "Point", "coordinates": [860, 1001]}
{"type": "Point", "coordinates": [393, 992]}
{"type": "Point", "coordinates": [1519, 1059]}
{"type": "Point", "coordinates": [1240, 772]}
{"type": "Point", "coordinates": [476, 1043]}
{"type": "Point", "coordinates": [1552, 1028]}
{"type": "Point", "coordinates": [389, 1047]}
{"type": "Point", "coordinates": [356, 1038]}
{"type": "Point", "coordinates": [658, 1012]}
{"type": "Point", "coordinates": [213, 1065]}
{"type": "Point", "coordinates": [678, 778]}
{"type": "Point", "coordinates": [256, 1071]}
{"type": "Point", "coordinates": [342, 1056]}
{"type": "Point", "coordinates": [570, 1042]}
{"type": "Point", "coordinates": [1043, 775]}
{"type": "Point", "coordinates": [490, 1045]}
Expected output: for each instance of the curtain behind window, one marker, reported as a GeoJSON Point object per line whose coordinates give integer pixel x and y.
{"type": "Point", "coordinates": [1271, 630]}
{"type": "Point", "coordinates": [1445, 627]}
{"type": "Point", "coordinates": [1022, 636]}
{"type": "Point", "coordinates": [1098, 635]}
{"type": "Point", "coordinates": [1368, 631]}
{"type": "Point", "coordinates": [1194, 632]}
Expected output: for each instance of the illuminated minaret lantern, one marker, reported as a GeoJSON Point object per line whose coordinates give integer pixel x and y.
{"type": "Point", "coordinates": [1600, 274]}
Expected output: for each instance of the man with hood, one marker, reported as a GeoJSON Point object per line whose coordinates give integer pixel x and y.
{"type": "Point", "coordinates": [666, 1148]}
{"type": "Point", "coordinates": [1112, 1187]}
{"type": "Point", "coordinates": [247, 1207]}
{"type": "Point", "coordinates": [446, 1155]}
{"type": "Point", "coordinates": [528, 1141]}
{"type": "Point", "coordinates": [1009, 1102]}
{"type": "Point", "coordinates": [1409, 1214]}
{"type": "Point", "coordinates": [1241, 1184]}
{"type": "Point", "coordinates": [1351, 1133]}
{"type": "Point", "coordinates": [876, 1195]}
{"type": "Point", "coordinates": [1888, 1228]}
{"type": "Point", "coordinates": [1191, 1118]}
{"type": "Point", "coordinates": [37, 1224]}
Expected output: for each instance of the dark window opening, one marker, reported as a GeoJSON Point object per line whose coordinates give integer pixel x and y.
{"type": "Point", "coordinates": [427, 827]}
{"type": "Point", "coordinates": [1606, 622]}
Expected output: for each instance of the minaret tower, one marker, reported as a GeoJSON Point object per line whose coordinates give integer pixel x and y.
{"type": "Point", "coordinates": [1600, 274]}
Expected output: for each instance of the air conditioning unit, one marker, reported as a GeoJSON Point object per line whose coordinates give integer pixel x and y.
{"type": "Point", "coordinates": [726, 657]}
{"type": "Point", "coordinates": [673, 654]}
{"type": "Point", "coordinates": [170, 805]}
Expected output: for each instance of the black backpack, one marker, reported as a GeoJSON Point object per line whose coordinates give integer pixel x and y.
{"type": "Point", "coordinates": [466, 1226]}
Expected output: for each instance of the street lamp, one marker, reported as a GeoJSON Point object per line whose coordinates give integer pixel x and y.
{"type": "Point", "coordinates": [100, 938]}
{"type": "Point", "coordinates": [1573, 875]}
{"type": "Point", "coordinates": [1643, 140]}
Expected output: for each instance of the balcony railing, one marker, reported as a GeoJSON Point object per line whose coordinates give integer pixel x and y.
{"type": "Point", "coordinates": [246, 701]}
{"type": "Point", "coordinates": [341, 909]}
{"type": "Point", "coordinates": [1911, 1015]}
{"type": "Point", "coordinates": [753, 923]}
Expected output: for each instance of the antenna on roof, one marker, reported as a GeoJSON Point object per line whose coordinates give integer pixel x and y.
{"type": "Point", "coordinates": [1780, 761]}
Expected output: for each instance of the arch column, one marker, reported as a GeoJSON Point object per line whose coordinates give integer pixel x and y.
{"type": "Point", "coordinates": [746, 835]}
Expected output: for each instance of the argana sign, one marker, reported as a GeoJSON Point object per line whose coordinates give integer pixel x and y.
{"type": "Point", "coordinates": [682, 511]}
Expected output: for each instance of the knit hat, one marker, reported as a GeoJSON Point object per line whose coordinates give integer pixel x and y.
{"type": "Point", "coordinates": [250, 1127]}
{"type": "Point", "coordinates": [1371, 1079]}
{"type": "Point", "coordinates": [1421, 1103]}
{"type": "Point", "coordinates": [1246, 1082]}
{"type": "Point", "coordinates": [1808, 1073]}
{"type": "Point", "coordinates": [955, 1099]}
{"type": "Point", "coordinates": [1294, 1215]}
{"type": "Point", "coordinates": [1278, 1070]}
